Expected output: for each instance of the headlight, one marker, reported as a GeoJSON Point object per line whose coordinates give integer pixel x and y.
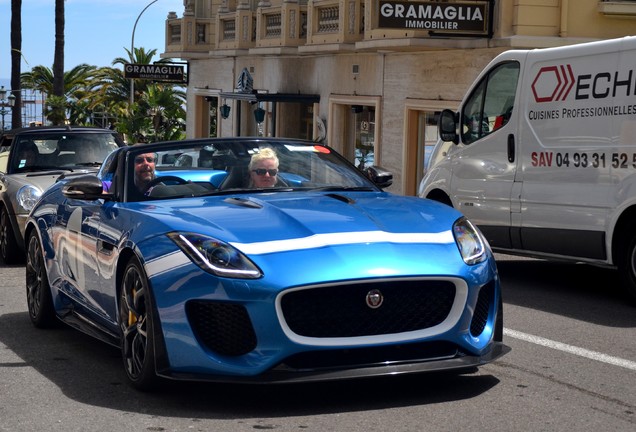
{"type": "Point", "coordinates": [27, 196]}
{"type": "Point", "coordinates": [215, 256]}
{"type": "Point", "coordinates": [470, 242]}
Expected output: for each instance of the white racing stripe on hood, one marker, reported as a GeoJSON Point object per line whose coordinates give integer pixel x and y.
{"type": "Point", "coordinates": [166, 263]}
{"type": "Point", "coordinates": [334, 239]}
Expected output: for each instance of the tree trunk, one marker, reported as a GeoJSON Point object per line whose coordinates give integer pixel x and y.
{"type": "Point", "coordinates": [58, 60]}
{"type": "Point", "coordinates": [16, 54]}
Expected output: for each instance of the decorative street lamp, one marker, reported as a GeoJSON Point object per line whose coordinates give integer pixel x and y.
{"type": "Point", "coordinates": [225, 110]}
{"type": "Point", "coordinates": [132, 49]}
{"type": "Point", "coordinates": [5, 102]}
{"type": "Point", "coordinates": [259, 114]}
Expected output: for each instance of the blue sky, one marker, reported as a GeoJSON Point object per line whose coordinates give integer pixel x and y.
{"type": "Point", "coordinates": [96, 31]}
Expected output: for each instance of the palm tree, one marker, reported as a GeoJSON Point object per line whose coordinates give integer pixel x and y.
{"type": "Point", "coordinates": [158, 115]}
{"type": "Point", "coordinates": [145, 119]}
{"type": "Point", "coordinates": [16, 54]}
{"type": "Point", "coordinates": [165, 104]}
{"type": "Point", "coordinates": [57, 103]}
{"type": "Point", "coordinates": [92, 94]}
{"type": "Point", "coordinates": [74, 92]}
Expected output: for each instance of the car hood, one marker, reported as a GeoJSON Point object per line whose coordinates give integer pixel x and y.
{"type": "Point", "coordinates": [41, 180]}
{"type": "Point", "coordinates": [245, 219]}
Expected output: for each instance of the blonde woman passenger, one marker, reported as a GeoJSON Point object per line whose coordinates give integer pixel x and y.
{"type": "Point", "coordinates": [263, 169]}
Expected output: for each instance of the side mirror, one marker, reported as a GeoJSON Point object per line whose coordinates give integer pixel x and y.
{"type": "Point", "coordinates": [447, 126]}
{"type": "Point", "coordinates": [379, 176]}
{"type": "Point", "coordinates": [88, 187]}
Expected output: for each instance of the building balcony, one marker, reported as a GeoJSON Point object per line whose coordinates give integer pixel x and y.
{"type": "Point", "coordinates": [189, 36]}
{"type": "Point", "coordinates": [276, 27]}
{"type": "Point", "coordinates": [281, 29]}
{"type": "Point", "coordinates": [237, 30]}
{"type": "Point", "coordinates": [291, 26]}
{"type": "Point", "coordinates": [334, 25]}
{"type": "Point", "coordinates": [618, 8]}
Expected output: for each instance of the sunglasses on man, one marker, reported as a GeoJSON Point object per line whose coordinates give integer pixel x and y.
{"type": "Point", "coordinates": [142, 159]}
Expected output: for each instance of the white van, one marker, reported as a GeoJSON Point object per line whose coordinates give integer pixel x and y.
{"type": "Point", "coordinates": [542, 155]}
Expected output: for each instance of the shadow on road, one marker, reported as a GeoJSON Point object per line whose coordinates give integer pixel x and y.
{"type": "Point", "coordinates": [91, 372]}
{"type": "Point", "coordinates": [579, 291]}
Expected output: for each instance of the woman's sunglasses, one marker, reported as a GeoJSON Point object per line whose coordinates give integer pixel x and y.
{"type": "Point", "coordinates": [263, 171]}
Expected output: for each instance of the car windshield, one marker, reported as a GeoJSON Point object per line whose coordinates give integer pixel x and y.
{"type": "Point", "coordinates": [60, 150]}
{"type": "Point", "coordinates": [223, 166]}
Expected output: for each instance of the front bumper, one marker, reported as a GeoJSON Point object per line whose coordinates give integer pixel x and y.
{"type": "Point", "coordinates": [282, 375]}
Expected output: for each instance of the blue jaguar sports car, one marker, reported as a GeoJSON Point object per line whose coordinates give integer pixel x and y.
{"type": "Point", "coordinates": [260, 260]}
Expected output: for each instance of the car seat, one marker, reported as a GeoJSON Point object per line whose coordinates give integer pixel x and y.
{"type": "Point", "coordinates": [236, 179]}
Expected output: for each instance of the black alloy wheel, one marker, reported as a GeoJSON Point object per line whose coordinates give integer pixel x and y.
{"type": "Point", "coordinates": [38, 290]}
{"type": "Point", "coordinates": [136, 324]}
{"type": "Point", "coordinates": [8, 243]}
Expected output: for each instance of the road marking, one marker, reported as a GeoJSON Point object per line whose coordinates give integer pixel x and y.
{"type": "Point", "coordinates": [594, 355]}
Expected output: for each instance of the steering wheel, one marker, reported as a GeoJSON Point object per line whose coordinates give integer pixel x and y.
{"type": "Point", "coordinates": [166, 179]}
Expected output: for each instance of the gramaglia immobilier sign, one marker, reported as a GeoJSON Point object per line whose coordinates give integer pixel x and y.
{"type": "Point", "coordinates": [458, 17]}
{"type": "Point", "coordinates": [155, 72]}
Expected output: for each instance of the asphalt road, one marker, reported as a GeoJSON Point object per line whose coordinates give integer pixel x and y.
{"type": "Point", "coordinates": [572, 367]}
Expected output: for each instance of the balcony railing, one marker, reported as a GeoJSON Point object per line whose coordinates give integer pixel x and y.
{"type": "Point", "coordinates": [328, 19]}
{"type": "Point", "coordinates": [273, 25]}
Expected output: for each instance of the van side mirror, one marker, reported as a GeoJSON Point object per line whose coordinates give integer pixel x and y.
{"type": "Point", "coordinates": [447, 126]}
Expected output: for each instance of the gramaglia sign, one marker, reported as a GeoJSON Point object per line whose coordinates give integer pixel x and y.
{"type": "Point", "coordinates": [155, 72]}
{"type": "Point", "coordinates": [459, 17]}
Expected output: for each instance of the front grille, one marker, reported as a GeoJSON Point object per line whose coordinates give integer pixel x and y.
{"type": "Point", "coordinates": [342, 311]}
{"type": "Point", "coordinates": [480, 317]}
{"type": "Point", "coordinates": [222, 327]}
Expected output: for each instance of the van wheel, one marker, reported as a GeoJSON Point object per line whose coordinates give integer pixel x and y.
{"type": "Point", "coordinates": [626, 264]}
{"type": "Point", "coordinates": [440, 197]}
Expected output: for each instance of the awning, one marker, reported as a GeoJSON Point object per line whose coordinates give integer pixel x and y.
{"type": "Point", "coordinates": [256, 96]}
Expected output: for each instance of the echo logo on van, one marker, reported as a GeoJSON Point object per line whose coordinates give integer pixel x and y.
{"type": "Point", "coordinates": [553, 83]}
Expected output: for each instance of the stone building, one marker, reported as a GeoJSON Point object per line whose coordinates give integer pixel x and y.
{"type": "Point", "coordinates": [365, 76]}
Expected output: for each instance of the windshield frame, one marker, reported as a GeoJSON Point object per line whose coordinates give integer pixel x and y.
{"type": "Point", "coordinates": [303, 166]}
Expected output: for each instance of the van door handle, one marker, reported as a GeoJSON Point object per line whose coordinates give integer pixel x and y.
{"type": "Point", "coordinates": [511, 148]}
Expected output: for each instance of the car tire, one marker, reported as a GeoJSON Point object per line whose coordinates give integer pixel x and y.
{"type": "Point", "coordinates": [38, 289]}
{"type": "Point", "coordinates": [136, 323]}
{"type": "Point", "coordinates": [8, 242]}
{"type": "Point", "coordinates": [627, 264]}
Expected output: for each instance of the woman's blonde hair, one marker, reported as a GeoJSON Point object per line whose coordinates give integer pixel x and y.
{"type": "Point", "coordinates": [264, 153]}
